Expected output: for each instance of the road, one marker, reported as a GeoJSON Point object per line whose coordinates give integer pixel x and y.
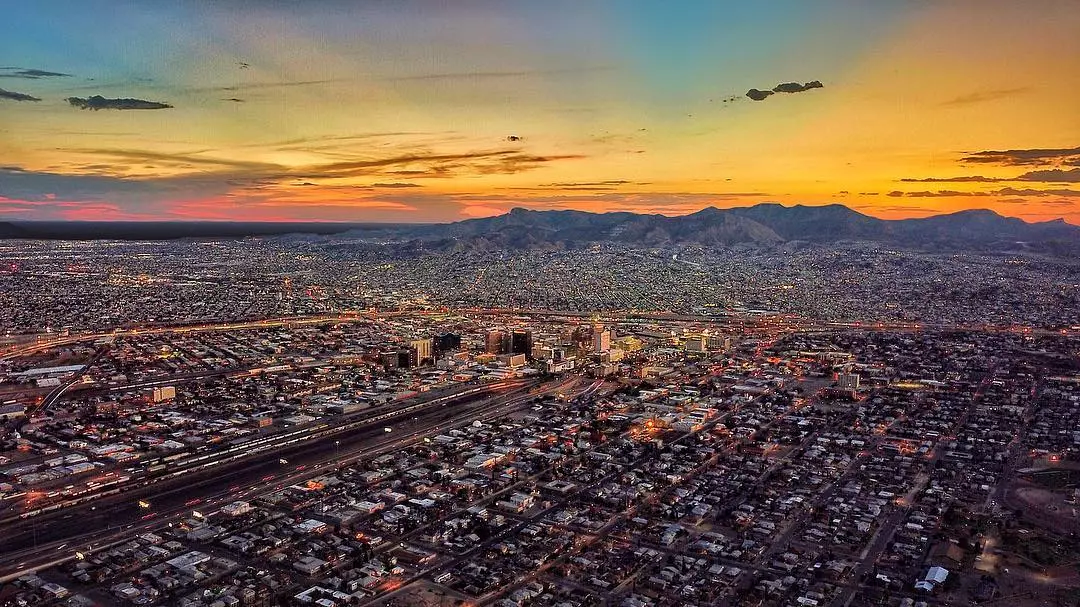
{"type": "Point", "coordinates": [31, 545]}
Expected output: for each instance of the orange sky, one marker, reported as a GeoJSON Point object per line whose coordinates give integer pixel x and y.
{"type": "Point", "coordinates": [421, 111]}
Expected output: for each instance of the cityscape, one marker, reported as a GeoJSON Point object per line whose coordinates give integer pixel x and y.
{"type": "Point", "coordinates": [505, 304]}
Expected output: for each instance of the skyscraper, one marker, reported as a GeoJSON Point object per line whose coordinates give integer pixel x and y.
{"type": "Point", "coordinates": [424, 350]}
{"type": "Point", "coordinates": [601, 339]}
{"type": "Point", "coordinates": [497, 342]}
{"type": "Point", "coordinates": [521, 342]}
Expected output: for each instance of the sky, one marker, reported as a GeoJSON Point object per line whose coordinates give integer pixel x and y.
{"type": "Point", "coordinates": [410, 111]}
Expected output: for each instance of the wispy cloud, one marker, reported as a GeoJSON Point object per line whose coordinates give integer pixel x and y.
{"type": "Point", "coordinates": [13, 96]}
{"type": "Point", "coordinates": [188, 159]}
{"type": "Point", "coordinates": [97, 102]}
{"type": "Point", "coordinates": [395, 185]}
{"type": "Point", "coordinates": [1052, 176]}
{"type": "Point", "coordinates": [982, 96]}
{"type": "Point", "coordinates": [29, 73]}
{"type": "Point", "coordinates": [1030, 156]}
{"type": "Point", "coordinates": [960, 179]}
{"type": "Point", "coordinates": [270, 85]}
{"type": "Point", "coordinates": [999, 192]}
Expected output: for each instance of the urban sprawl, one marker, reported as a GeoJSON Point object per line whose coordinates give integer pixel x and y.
{"type": "Point", "coordinates": [297, 421]}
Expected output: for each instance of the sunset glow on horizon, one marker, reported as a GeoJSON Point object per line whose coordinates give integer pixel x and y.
{"type": "Point", "coordinates": [260, 110]}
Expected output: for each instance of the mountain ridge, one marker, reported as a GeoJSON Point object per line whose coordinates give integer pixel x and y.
{"type": "Point", "coordinates": [767, 224]}
{"type": "Point", "coordinates": [762, 225]}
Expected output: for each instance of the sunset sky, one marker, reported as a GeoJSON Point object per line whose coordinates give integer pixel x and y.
{"type": "Point", "coordinates": [394, 110]}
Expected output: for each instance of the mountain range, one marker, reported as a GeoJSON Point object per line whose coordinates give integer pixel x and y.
{"type": "Point", "coordinates": [760, 225]}
{"type": "Point", "coordinates": [764, 225]}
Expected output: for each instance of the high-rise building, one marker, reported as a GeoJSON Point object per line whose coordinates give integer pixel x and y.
{"type": "Point", "coordinates": [601, 339]}
{"type": "Point", "coordinates": [424, 350]}
{"type": "Point", "coordinates": [521, 342]}
{"type": "Point", "coordinates": [447, 342]}
{"type": "Point", "coordinates": [389, 359]}
{"type": "Point", "coordinates": [497, 342]}
{"type": "Point", "coordinates": [848, 381]}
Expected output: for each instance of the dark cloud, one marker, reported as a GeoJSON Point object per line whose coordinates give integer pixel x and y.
{"type": "Point", "coordinates": [13, 96]}
{"type": "Point", "coordinates": [868, 193]}
{"type": "Point", "coordinates": [965, 178]}
{"type": "Point", "coordinates": [795, 87]}
{"type": "Point", "coordinates": [1052, 176]}
{"type": "Point", "coordinates": [1036, 156]}
{"type": "Point", "coordinates": [97, 102]}
{"type": "Point", "coordinates": [514, 138]}
{"type": "Point", "coordinates": [32, 74]}
{"type": "Point", "coordinates": [395, 185]}
{"type": "Point", "coordinates": [938, 193]}
{"type": "Point", "coordinates": [758, 95]}
{"type": "Point", "coordinates": [234, 100]}
{"type": "Point", "coordinates": [1000, 192]}
{"type": "Point", "coordinates": [784, 87]}
{"type": "Point", "coordinates": [982, 96]}
{"type": "Point", "coordinates": [1030, 192]}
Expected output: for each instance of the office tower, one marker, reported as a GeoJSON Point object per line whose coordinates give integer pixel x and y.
{"type": "Point", "coordinates": [424, 350]}
{"type": "Point", "coordinates": [601, 339]}
{"type": "Point", "coordinates": [521, 342]}
{"type": "Point", "coordinates": [497, 342]}
{"type": "Point", "coordinates": [447, 342]}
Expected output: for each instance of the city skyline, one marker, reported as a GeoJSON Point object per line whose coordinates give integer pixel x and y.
{"type": "Point", "coordinates": [425, 112]}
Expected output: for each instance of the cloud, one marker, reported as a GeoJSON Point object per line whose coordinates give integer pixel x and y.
{"type": "Point", "coordinates": [1025, 156]}
{"type": "Point", "coordinates": [13, 96]}
{"type": "Point", "coordinates": [395, 185]}
{"type": "Point", "coordinates": [234, 100]}
{"type": "Point", "coordinates": [964, 178]}
{"type": "Point", "coordinates": [97, 102]}
{"type": "Point", "coordinates": [999, 192]}
{"type": "Point", "coordinates": [982, 96]}
{"type": "Point", "coordinates": [784, 87]}
{"type": "Point", "coordinates": [1030, 192]}
{"type": "Point", "coordinates": [938, 193]}
{"type": "Point", "coordinates": [795, 87]}
{"type": "Point", "coordinates": [32, 74]}
{"type": "Point", "coordinates": [1052, 176]}
{"type": "Point", "coordinates": [444, 165]}
{"type": "Point", "coordinates": [174, 159]}
{"type": "Point", "coordinates": [578, 184]}
{"type": "Point", "coordinates": [269, 85]}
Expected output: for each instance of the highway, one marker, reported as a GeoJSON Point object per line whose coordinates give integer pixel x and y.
{"type": "Point", "coordinates": [183, 465]}
{"type": "Point", "coordinates": [31, 544]}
